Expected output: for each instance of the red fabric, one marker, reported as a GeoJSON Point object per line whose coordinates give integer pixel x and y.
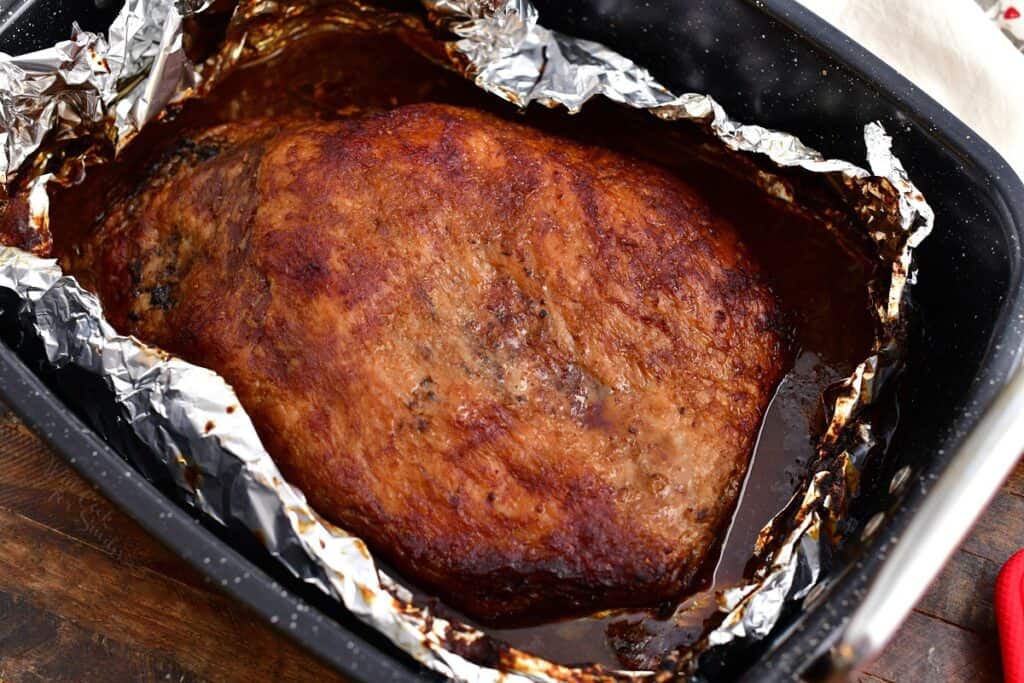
{"type": "Point", "coordinates": [1010, 614]}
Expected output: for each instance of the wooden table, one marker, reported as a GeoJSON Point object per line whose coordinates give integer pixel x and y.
{"type": "Point", "coordinates": [87, 595]}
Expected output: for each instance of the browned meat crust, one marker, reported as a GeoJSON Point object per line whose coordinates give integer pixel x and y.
{"type": "Point", "coordinates": [18, 229]}
{"type": "Point", "coordinates": [528, 372]}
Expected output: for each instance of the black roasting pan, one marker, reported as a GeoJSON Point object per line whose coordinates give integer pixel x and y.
{"type": "Point", "coordinates": [769, 62]}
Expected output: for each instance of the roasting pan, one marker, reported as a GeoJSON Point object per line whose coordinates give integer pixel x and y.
{"type": "Point", "coordinates": [961, 423]}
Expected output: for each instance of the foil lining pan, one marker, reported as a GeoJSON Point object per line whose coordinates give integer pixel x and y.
{"type": "Point", "coordinates": [188, 419]}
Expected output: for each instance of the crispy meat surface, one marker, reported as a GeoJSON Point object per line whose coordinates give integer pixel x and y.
{"type": "Point", "coordinates": [528, 372]}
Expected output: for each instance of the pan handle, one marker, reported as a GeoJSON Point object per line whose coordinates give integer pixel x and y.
{"type": "Point", "coordinates": [984, 460]}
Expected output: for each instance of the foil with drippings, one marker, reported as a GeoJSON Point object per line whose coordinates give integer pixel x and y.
{"type": "Point", "coordinates": [103, 91]}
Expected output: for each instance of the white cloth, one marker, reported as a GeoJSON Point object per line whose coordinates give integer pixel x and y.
{"type": "Point", "coordinates": [953, 51]}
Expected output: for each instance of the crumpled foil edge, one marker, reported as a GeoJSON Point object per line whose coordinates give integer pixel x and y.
{"type": "Point", "coordinates": [191, 418]}
{"type": "Point", "coordinates": [89, 83]}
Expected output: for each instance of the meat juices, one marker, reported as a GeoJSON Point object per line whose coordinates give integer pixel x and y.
{"type": "Point", "coordinates": [528, 372]}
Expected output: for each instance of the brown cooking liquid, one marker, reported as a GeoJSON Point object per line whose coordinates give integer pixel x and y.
{"type": "Point", "coordinates": [823, 286]}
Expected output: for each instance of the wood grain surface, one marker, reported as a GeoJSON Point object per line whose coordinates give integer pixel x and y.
{"type": "Point", "coordinates": [87, 595]}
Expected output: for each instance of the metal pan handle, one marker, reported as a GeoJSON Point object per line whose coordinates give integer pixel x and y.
{"type": "Point", "coordinates": [984, 460]}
